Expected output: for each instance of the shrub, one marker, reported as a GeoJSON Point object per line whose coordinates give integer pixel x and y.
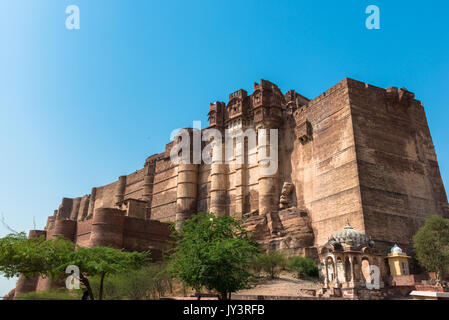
{"type": "Point", "coordinates": [271, 263]}
{"type": "Point", "coordinates": [57, 294]}
{"type": "Point", "coordinates": [303, 267]}
{"type": "Point", "coordinates": [149, 282]}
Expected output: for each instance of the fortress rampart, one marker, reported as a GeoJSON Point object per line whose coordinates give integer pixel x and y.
{"type": "Point", "coordinates": [355, 153]}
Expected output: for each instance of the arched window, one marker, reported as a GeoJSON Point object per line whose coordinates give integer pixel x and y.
{"type": "Point", "coordinates": [356, 267]}
{"type": "Point", "coordinates": [348, 276]}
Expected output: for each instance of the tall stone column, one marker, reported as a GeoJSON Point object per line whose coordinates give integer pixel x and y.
{"type": "Point", "coordinates": [65, 208]}
{"type": "Point", "coordinates": [51, 221]}
{"type": "Point", "coordinates": [326, 275]}
{"type": "Point", "coordinates": [240, 180]}
{"type": "Point", "coordinates": [120, 193]}
{"type": "Point", "coordinates": [267, 182]}
{"type": "Point", "coordinates": [218, 184]}
{"type": "Point", "coordinates": [351, 262]}
{"type": "Point", "coordinates": [93, 196]}
{"type": "Point", "coordinates": [84, 207]}
{"type": "Point", "coordinates": [148, 180]}
{"type": "Point", "coordinates": [75, 209]}
{"type": "Point", "coordinates": [186, 193]}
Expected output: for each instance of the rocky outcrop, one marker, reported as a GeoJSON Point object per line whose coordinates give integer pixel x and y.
{"type": "Point", "coordinates": [288, 230]}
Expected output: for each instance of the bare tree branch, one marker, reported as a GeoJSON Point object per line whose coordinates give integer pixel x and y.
{"type": "Point", "coordinates": [7, 226]}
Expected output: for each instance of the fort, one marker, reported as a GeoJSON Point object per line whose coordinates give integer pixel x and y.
{"type": "Point", "coordinates": [357, 157]}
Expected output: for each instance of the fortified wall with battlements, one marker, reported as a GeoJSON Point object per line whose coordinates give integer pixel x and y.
{"type": "Point", "coordinates": [356, 153]}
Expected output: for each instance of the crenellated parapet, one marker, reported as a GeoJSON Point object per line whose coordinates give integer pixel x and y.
{"type": "Point", "coordinates": [399, 99]}
{"type": "Point", "coordinates": [216, 115]}
{"type": "Point", "coordinates": [120, 190]}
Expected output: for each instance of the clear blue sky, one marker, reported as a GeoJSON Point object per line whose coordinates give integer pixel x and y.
{"type": "Point", "coordinates": [78, 108]}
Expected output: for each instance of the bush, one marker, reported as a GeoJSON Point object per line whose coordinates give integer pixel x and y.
{"type": "Point", "coordinates": [303, 267]}
{"type": "Point", "coordinates": [149, 282]}
{"type": "Point", "coordinates": [57, 294]}
{"type": "Point", "coordinates": [271, 263]}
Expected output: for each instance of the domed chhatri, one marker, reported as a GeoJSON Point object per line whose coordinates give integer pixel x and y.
{"type": "Point", "coordinates": [398, 261]}
{"type": "Point", "coordinates": [349, 236]}
{"type": "Point", "coordinates": [346, 261]}
{"type": "Point", "coordinates": [396, 249]}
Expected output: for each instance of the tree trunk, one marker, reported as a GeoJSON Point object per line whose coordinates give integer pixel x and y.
{"type": "Point", "coordinates": [100, 295]}
{"type": "Point", "coordinates": [86, 283]}
{"type": "Point", "coordinates": [224, 296]}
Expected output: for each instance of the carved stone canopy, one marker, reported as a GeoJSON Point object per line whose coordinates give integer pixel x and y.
{"type": "Point", "coordinates": [348, 236]}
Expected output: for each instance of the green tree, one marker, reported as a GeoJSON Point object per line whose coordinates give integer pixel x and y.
{"type": "Point", "coordinates": [101, 261]}
{"type": "Point", "coordinates": [51, 257]}
{"type": "Point", "coordinates": [431, 243]}
{"type": "Point", "coordinates": [31, 256]}
{"type": "Point", "coordinates": [213, 252]}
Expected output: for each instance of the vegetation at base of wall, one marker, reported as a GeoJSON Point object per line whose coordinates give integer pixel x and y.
{"type": "Point", "coordinates": [270, 263]}
{"type": "Point", "coordinates": [58, 294]}
{"type": "Point", "coordinates": [213, 253]}
{"type": "Point", "coordinates": [29, 256]}
{"type": "Point", "coordinates": [104, 261]}
{"type": "Point", "coordinates": [431, 243]}
{"type": "Point", "coordinates": [303, 267]}
{"type": "Point", "coordinates": [149, 282]}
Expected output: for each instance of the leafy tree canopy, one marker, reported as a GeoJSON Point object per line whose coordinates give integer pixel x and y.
{"type": "Point", "coordinates": [213, 252]}
{"type": "Point", "coordinates": [431, 243]}
{"type": "Point", "coordinates": [20, 255]}
{"type": "Point", "coordinates": [35, 255]}
{"type": "Point", "coordinates": [101, 261]}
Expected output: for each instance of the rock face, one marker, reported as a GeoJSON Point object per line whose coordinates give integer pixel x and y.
{"type": "Point", "coordinates": [288, 230]}
{"type": "Point", "coordinates": [355, 153]}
